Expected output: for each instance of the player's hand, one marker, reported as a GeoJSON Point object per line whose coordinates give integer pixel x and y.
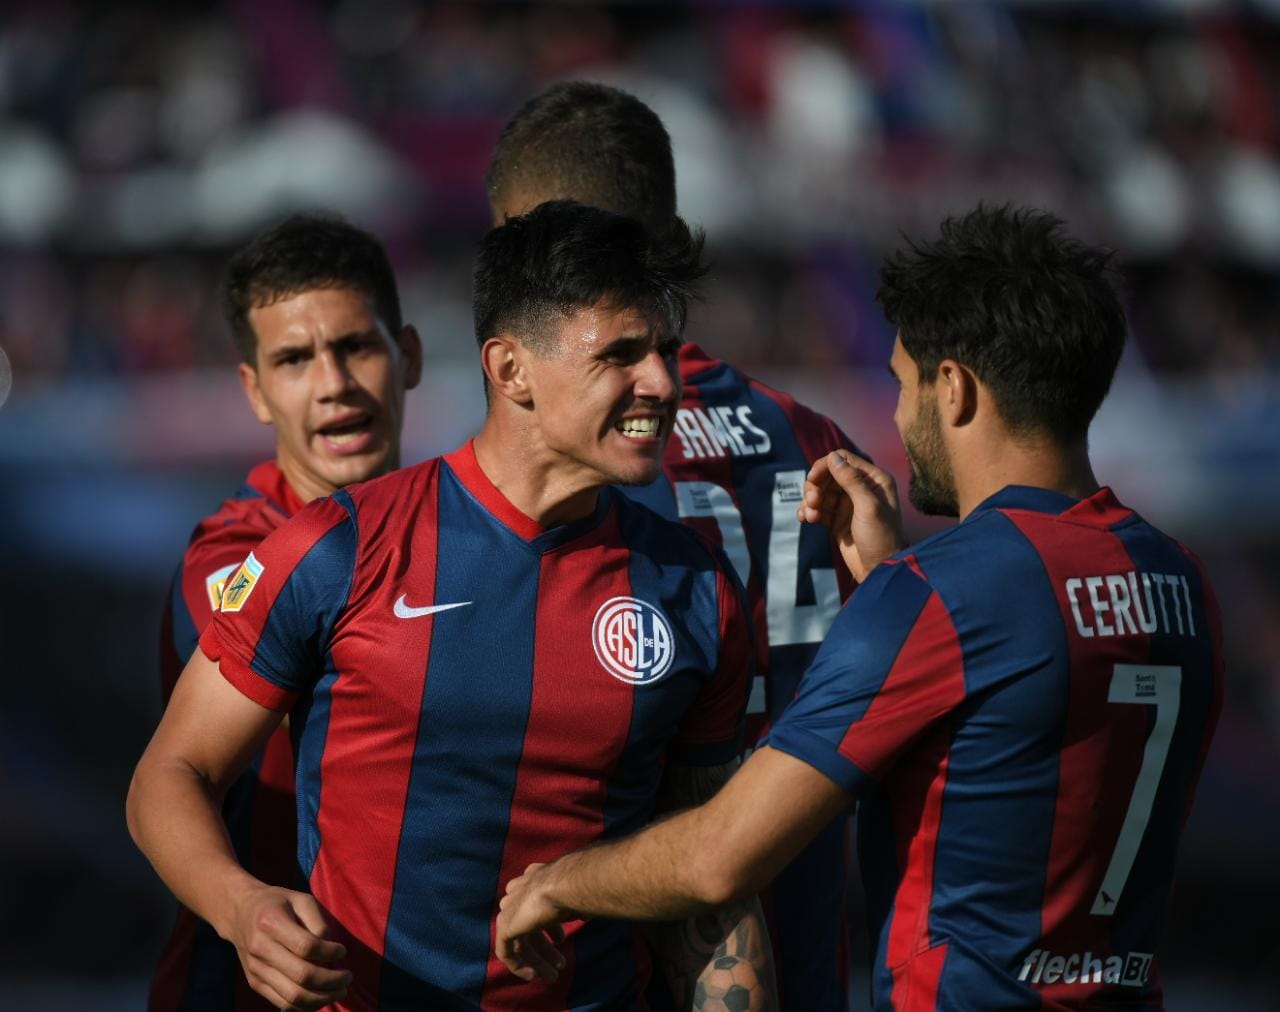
{"type": "Point", "coordinates": [280, 938]}
{"type": "Point", "coordinates": [529, 927]}
{"type": "Point", "coordinates": [858, 502]}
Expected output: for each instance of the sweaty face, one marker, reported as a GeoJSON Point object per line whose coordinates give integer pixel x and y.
{"type": "Point", "coordinates": [604, 393]}
{"type": "Point", "coordinates": [932, 489]}
{"type": "Point", "coordinates": [331, 380]}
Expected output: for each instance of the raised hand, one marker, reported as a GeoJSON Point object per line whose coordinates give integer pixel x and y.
{"type": "Point", "coordinates": [858, 503]}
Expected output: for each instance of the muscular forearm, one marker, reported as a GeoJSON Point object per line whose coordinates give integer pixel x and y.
{"type": "Point", "coordinates": [176, 821]}
{"type": "Point", "coordinates": [664, 873]}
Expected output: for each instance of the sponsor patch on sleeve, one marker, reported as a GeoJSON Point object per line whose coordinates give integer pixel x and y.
{"type": "Point", "coordinates": [215, 582]}
{"type": "Point", "coordinates": [240, 586]}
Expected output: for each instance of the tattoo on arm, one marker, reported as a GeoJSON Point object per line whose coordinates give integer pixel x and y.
{"type": "Point", "coordinates": [719, 961]}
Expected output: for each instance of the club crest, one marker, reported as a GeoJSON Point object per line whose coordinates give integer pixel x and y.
{"type": "Point", "coordinates": [633, 640]}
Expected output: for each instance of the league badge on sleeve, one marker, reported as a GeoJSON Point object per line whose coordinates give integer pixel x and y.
{"type": "Point", "coordinates": [215, 582]}
{"type": "Point", "coordinates": [240, 586]}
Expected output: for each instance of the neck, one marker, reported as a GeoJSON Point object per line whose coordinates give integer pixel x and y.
{"type": "Point", "coordinates": [541, 483]}
{"type": "Point", "coordinates": [1035, 461]}
{"type": "Point", "coordinates": [305, 486]}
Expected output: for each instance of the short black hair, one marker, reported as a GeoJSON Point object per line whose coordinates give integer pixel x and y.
{"type": "Point", "coordinates": [591, 143]}
{"type": "Point", "coordinates": [297, 254]}
{"type": "Point", "coordinates": [1031, 310]}
{"type": "Point", "coordinates": [562, 256]}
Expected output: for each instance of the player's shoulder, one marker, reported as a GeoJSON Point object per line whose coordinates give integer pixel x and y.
{"type": "Point", "coordinates": [668, 541]}
{"type": "Point", "coordinates": [389, 493]}
{"type": "Point", "coordinates": [986, 554]}
{"type": "Point", "coordinates": [230, 531]}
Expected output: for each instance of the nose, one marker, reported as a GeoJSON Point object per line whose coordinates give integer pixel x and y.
{"type": "Point", "coordinates": [334, 377]}
{"type": "Point", "coordinates": [657, 378]}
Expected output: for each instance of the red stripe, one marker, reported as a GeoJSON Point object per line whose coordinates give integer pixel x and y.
{"type": "Point", "coordinates": [925, 682]}
{"type": "Point", "coordinates": [920, 979]}
{"type": "Point", "coordinates": [1098, 740]}
{"type": "Point", "coordinates": [373, 724]}
{"type": "Point", "coordinates": [464, 464]}
{"type": "Point", "coordinates": [714, 716]}
{"type": "Point", "coordinates": [558, 804]}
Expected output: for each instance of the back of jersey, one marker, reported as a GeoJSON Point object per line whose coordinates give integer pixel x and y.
{"type": "Point", "coordinates": [735, 470]}
{"type": "Point", "coordinates": [1080, 700]}
{"type": "Point", "coordinates": [1143, 636]}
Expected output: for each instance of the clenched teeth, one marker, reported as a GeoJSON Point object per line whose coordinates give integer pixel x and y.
{"type": "Point", "coordinates": [639, 427]}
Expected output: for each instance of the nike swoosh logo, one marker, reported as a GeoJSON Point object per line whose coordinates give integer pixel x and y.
{"type": "Point", "coordinates": [404, 611]}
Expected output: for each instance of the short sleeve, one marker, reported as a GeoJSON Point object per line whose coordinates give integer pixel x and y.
{"type": "Point", "coordinates": [279, 608]}
{"type": "Point", "coordinates": [194, 596]}
{"type": "Point", "coordinates": [711, 732]}
{"type": "Point", "coordinates": [889, 669]}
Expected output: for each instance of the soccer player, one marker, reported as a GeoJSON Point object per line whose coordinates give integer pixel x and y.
{"type": "Point", "coordinates": [734, 470]}
{"type": "Point", "coordinates": [1021, 704]}
{"type": "Point", "coordinates": [488, 660]}
{"type": "Point", "coordinates": [312, 305]}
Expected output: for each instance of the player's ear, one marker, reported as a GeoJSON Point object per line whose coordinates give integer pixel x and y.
{"type": "Point", "coordinates": [410, 345]}
{"type": "Point", "coordinates": [253, 393]}
{"type": "Point", "coordinates": [957, 390]}
{"type": "Point", "coordinates": [503, 359]}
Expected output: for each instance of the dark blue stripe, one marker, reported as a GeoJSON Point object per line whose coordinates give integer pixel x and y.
{"type": "Point", "coordinates": [852, 665]}
{"type": "Point", "coordinates": [1141, 908]}
{"type": "Point", "coordinates": [1004, 758]}
{"type": "Point", "coordinates": [475, 709]}
{"type": "Point", "coordinates": [295, 637]}
{"type": "Point", "coordinates": [309, 731]}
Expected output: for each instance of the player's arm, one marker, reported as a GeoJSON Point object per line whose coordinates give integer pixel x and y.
{"type": "Point", "coordinates": [721, 955]}
{"type": "Point", "coordinates": [207, 735]}
{"type": "Point", "coordinates": [858, 503]}
{"type": "Point", "coordinates": [691, 864]}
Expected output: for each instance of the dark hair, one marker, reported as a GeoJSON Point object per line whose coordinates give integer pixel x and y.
{"type": "Point", "coordinates": [591, 143]}
{"type": "Point", "coordinates": [1033, 312]}
{"type": "Point", "coordinates": [302, 252]}
{"type": "Point", "coordinates": [563, 256]}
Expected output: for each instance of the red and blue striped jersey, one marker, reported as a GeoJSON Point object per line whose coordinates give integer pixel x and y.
{"type": "Point", "coordinates": [471, 693]}
{"type": "Point", "coordinates": [1022, 705]}
{"type": "Point", "coordinates": [734, 470]}
{"type": "Point", "coordinates": [198, 971]}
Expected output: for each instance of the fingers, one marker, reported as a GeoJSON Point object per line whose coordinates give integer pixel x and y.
{"type": "Point", "coordinates": [276, 986]}
{"type": "Point", "coordinates": [534, 952]}
{"type": "Point", "coordinates": [285, 957]}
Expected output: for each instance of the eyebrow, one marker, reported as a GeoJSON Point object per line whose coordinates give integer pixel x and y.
{"type": "Point", "coordinates": [304, 347]}
{"type": "Point", "coordinates": [892, 371]}
{"type": "Point", "coordinates": [625, 343]}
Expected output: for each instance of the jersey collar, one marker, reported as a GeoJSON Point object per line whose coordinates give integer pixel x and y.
{"type": "Point", "coordinates": [1101, 509]}
{"type": "Point", "coordinates": [464, 465]}
{"type": "Point", "coordinates": [269, 482]}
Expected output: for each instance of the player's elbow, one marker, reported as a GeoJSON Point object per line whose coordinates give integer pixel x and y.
{"type": "Point", "coordinates": [721, 876]}
{"type": "Point", "coordinates": [134, 804]}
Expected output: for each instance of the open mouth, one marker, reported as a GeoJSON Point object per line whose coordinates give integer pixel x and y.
{"type": "Point", "coordinates": [348, 435]}
{"type": "Point", "coordinates": [639, 428]}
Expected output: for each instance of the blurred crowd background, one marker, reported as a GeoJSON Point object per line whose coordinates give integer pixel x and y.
{"type": "Point", "coordinates": [140, 143]}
